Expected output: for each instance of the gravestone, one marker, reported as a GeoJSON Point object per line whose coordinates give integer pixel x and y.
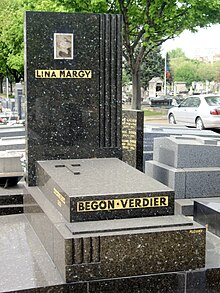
{"type": "Point", "coordinates": [207, 212]}
{"type": "Point", "coordinates": [152, 132]}
{"type": "Point", "coordinates": [187, 164]}
{"type": "Point", "coordinates": [97, 217]}
{"type": "Point", "coordinates": [18, 100]}
{"type": "Point", "coordinates": [132, 138]}
{"type": "Point", "coordinates": [74, 95]}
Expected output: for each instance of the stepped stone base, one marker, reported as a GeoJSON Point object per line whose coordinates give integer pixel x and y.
{"type": "Point", "coordinates": [11, 200]}
{"type": "Point", "coordinates": [115, 248]}
{"type": "Point", "coordinates": [25, 261]}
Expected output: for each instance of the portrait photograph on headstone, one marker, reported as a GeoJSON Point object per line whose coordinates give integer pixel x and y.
{"type": "Point", "coordinates": [63, 46]}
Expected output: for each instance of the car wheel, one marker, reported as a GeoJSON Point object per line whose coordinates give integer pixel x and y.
{"type": "Point", "coordinates": [199, 124]}
{"type": "Point", "coordinates": [172, 119]}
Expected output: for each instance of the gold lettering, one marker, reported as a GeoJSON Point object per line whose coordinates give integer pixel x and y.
{"type": "Point", "coordinates": [195, 231]}
{"type": "Point", "coordinates": [59, 196]}
{"type": "Point", "coordinates": [120, 204]}
{"type": "Point", "coordinates": [63, 73]}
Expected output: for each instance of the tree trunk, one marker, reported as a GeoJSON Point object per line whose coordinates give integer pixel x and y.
{"type": "Point", "coordinates": [136, 89]}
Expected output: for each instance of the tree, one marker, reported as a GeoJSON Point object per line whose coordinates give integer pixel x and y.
{"type": "Point", "coordinates": [147, 24]}
{"type": "Point", "coordinates": [187, 71]}
{"type": "Point", "coordinates": [216, 68]}
{"type": "Point", "coordinates": [206, 72]}
{"type": "Point", "coordinates": [11, 40]}
{"type": "Point", "coordinates": [12, 34]}
{"type": "Point", "coordinates": [152, 66]}
{"type": "Point", "coordinates": [177, 53]}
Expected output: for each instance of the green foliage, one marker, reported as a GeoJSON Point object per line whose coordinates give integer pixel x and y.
{"type": "Point", "coordinates": [206, 71]}
{"type": "Point", "coordinates": [188, 70]}
{"type": "Point", "coordinates": [152, 66]}
{"type": "Point", "coordinates": [216, 69]}
{"type": "Point", "coordinates": [177, 53]}
{"type": "Point", "coordinates": [12, 33]}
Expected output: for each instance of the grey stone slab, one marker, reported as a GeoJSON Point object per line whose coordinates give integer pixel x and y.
{"type": "Point", "coordinates": [25, 264]}
{"type": "Point", "coordinates": [208, 213]}
{"type": "Point", "coordinates": [212, 251]}
{"type": "Point", "coordinates": [152, 132]}
{"type": "Point", "coordinates": [187, 151]}
{"type": "Point", "coordinates": [15, 130]}
{"type": "Point", "coordinates": [147, 156]}
{"type": "Point", "coordinates": [10, 161]}
{"type": "Point", "coordinates": [12, 144]}
{"type": "Point", "coordinates": [172, 177]}
{"type": "Point", "coordinates": [129, 224]}
{"type": "Point", "coordinates": [186, 182]}
{"type": "Point", "coordinates": [202, 182]}
{"type": "Point", "coordinates": [184, 207]}
{"type": "Point", "coordinates": [149, 139]}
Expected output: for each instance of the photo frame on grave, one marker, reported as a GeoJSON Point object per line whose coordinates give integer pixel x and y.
{"type": "Point", "coordinates": [63, 46]}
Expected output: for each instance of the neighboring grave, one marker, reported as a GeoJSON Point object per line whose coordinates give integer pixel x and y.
{"type": "Point", "coordinates": [12, 130]}
{"type": "Point", "coordinates": [188, 164]}
{"type": "Point", "coordinates": [132, 138]}
{"type": "Point", "coordinates": [12, 143]}
{"type": "Point", "coordinates": [207, 213]}
{"type": "Point", "coordinates": [10, 167]}
{"type": "Point", "coordinates": [73, 86]}
{"type": "Point", "coordinates": [152, 131]}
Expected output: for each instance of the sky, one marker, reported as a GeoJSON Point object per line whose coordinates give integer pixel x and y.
{"type": "Point", "coordinates": [205, 42]}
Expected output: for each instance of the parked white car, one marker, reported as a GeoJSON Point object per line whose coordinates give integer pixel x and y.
{"type": "Point", "coordinates": [200, 111]}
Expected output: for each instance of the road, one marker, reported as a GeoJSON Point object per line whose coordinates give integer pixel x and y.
{"type": "Point", "coordinates": [162, 120]}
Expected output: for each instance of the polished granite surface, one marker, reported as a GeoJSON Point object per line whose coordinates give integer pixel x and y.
{"type": "Point", "coordinates": [24, 261]}
{"type": "Point", "coordinates": [73, 117]}
{"type": "Point", "coordinates": [132, 138]}
{"type": "Point", "coordinates": [116, 253]}
{"type": "Point", "coordinates": [126, 192]}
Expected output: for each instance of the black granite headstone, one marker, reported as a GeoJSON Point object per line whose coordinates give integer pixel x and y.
{"type": "Point", "coordinates": [132, 138]}
{"type": "Point", "coordinates": [73, 86]}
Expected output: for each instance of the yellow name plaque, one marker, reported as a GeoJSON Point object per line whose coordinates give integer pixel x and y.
{"type": "Point", "coordinates": [63, 73]}
{"type": "Point", "coordinates": [121, 204]}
